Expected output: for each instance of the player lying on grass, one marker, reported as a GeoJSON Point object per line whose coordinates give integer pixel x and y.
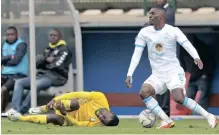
{"type": "Point", "coordinates": [75, 108]}
{"type": "Point", "coordinates": [167, 73]}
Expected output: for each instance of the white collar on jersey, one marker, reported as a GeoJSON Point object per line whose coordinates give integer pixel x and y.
{"type": "Point", "coordinates": [166, 5]}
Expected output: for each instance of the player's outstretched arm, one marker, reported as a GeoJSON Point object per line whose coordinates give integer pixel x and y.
{"type": "Point", "coordinates": [192, 51]}
{"type": "Point", "coordinates": [186, 44]}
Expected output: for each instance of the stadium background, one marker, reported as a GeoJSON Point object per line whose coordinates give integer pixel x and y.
{"type": "Point", "coordinates": [108, 39]}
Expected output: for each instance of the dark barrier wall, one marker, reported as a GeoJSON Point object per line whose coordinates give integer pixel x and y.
{"type": "Point", "coordinates": [107, 55]}
{"type": "Point", "coordinates": [106, 61]}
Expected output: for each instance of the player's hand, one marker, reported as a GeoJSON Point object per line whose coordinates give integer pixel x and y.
{"type": "Point", "coordinates": [40, 57]}
{"type": "Point", "coordinates": [60, 106]}
{"type": "Point", "coordinates": [199, 63]}
{"type": "Point", "coordinates": [128, 82]}
{"type": "Point", "coordinates": [50, 105]}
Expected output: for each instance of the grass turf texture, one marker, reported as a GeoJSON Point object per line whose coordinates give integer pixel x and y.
{"type": "Point", "coordinates": [126, 126]}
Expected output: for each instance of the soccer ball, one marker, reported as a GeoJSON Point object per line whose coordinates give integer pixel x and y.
{"type": "Point", "coordinates": [147, 119]}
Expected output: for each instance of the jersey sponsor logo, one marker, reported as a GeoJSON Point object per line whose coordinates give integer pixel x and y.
{"type": "Point", "coordinates": [181, 77]}
{"type": "Point", "coordinates": [159, 49]}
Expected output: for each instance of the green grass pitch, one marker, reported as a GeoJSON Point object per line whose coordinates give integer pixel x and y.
{"type": "Point", "coordinates": [126, 126]}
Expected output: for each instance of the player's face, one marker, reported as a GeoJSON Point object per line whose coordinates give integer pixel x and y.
{"type": "Point", "coordinates": [11, 35]}
{"type": "Point", "coordinates": [105, 116]}
{"type": "Point", "coordinates": [54, 37]}
{"type": "Point", "coordinates": [154, 16]}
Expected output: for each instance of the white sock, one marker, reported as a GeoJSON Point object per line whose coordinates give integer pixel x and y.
{"type": "Point", "coordinates": [154, 107]}
{"type": "Point", "coordinates": [194, 106]}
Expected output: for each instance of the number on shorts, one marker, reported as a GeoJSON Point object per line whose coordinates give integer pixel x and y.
{"type": "Point", "coordinates": [181, 77]}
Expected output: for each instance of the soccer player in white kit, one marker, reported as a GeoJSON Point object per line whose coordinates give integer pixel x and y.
{"type": "Point", "coordinates": [167, 73]}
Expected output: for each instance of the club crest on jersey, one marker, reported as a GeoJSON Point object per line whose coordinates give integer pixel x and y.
{"type": "Point", "coordinates": [159, 49]}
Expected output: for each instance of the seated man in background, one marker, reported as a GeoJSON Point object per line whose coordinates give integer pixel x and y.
{"type": "Point", "coordinates": [53, 67]}
{"type": "Point", "coordinates": [14, 62]}
{"type": "Point", "coordinates": [75, 108]}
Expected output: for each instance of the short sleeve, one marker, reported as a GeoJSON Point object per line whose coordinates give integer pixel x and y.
{"type": "Point", "coordinates": [140, 40]}
{"type": "Point", "coordinates": [180, 36]}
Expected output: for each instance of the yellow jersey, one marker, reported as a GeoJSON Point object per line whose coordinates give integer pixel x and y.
{"type": "Point", "coordinates": [89, 103]}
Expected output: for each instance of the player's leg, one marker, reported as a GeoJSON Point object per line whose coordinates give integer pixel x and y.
{"type": "Point", "coordinates": [180, 98]}
{"type": "Point", "coordinates": [55, 119]}
{"type": "Point", "coordinates": [65, 105]}
{"type": "Point", "coordinates": [151, 87]}
{"type": "Point", "coordinates": [38, 119]}
{"type": "Point", "coordinates": [176, 85]}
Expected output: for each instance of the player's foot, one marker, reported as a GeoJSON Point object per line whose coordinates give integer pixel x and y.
{"type": "Point", "coordinates": [14, 116]}
{"type": "Point", "coordinates": [35, 110]}
{"type": "Point", "coordinates": [212, 120]}
{"type": "Point", "coordinates": [165, 124]}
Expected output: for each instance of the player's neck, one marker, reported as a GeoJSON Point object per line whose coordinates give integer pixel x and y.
{"type": "Point", "coordinates": [159, 27]}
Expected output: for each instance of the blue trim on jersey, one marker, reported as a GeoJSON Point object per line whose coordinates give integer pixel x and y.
{"type": "Point", "coordinates": [196, 107]}
{"type": "Point", "coordinates": [154, 107]}
{"type": "Point", "coordinates": [147, 99]}
{"type": "Point", "coordinates": [183, 42]}
{"type": "Point", "coordinates": [159, 29]}
{"type": "Point", "coordinates": [131, 81]}
{"type": "Point", "coordinates": [139, 46]}
{"type": "Point", "coordinates": [185, 101]}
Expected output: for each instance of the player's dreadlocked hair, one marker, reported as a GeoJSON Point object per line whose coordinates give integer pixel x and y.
{"type": "Point", "coordinates": [114, 121]}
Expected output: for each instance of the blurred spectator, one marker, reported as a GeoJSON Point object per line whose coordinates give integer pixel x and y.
{"type": "Point", "coordinates": [164, 100]}
{"type": "Point", "coordinates": [53, 67]}
{"type": "Point", "coordinates": [14, 63]}
{"type": "Point", "coordinates": [170, 13]}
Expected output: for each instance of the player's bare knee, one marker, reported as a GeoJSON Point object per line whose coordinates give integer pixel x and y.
{"type": "Point", "coordinates": [74, 105]}
{"type": "Point", "coordinates": [178, 95]}
{"type": "Point", "coordinates": [146, 91]}
{"type": "Point", "coordinates": [55, 119]}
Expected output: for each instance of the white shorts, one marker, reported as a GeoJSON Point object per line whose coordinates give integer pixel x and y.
{"type": "Point", "coordinates": [169, 81]}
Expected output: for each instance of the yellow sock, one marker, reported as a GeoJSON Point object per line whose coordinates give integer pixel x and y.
{"type": "Point", "coordinates": [44, 108]}
{"type": "Point", "coordinates": [40, 119]}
